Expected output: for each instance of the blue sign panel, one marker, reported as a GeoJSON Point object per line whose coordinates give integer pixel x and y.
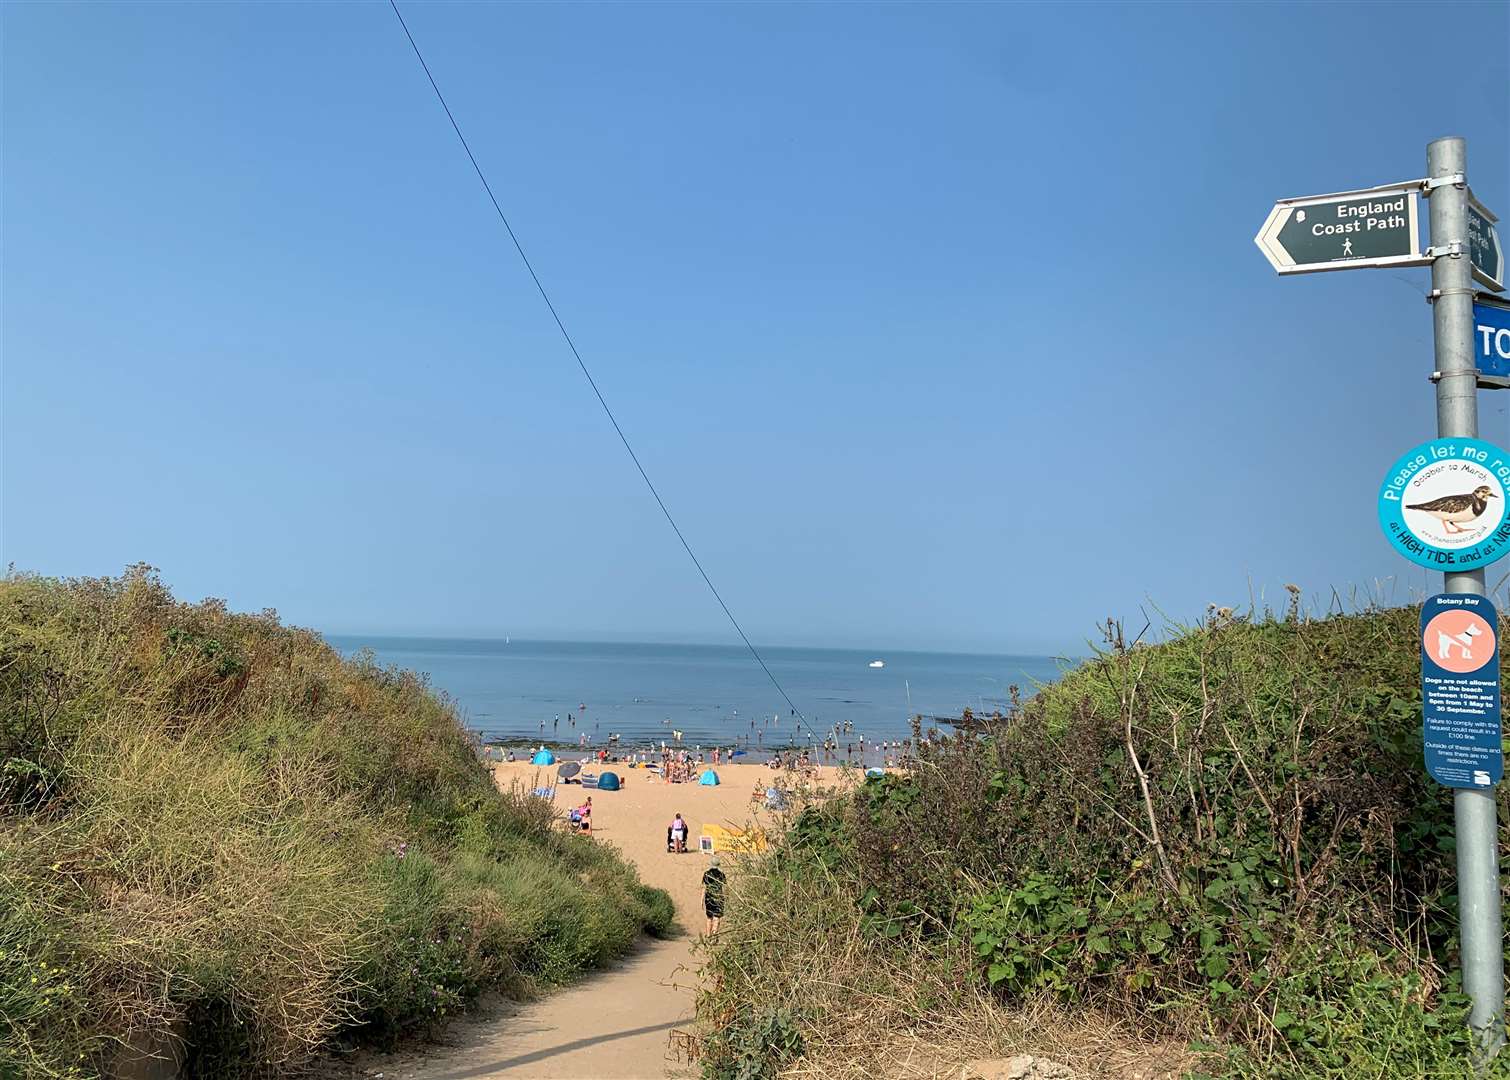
{"type": "Point", "coordinates": [1491, 336]}
{"type": "Point", "coordinates": [1443, 504]}
{"type": "Point", "coordinates": [1460, 691]}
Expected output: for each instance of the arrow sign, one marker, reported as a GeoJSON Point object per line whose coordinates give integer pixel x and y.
{"type": "Point", "coordinates": [1491, 333]}
{"type": "Point", "coordinates": [1484, 246]}
{"type": "Point", "coordinates": [1347, 230]}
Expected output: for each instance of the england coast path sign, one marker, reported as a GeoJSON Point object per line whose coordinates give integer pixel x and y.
{"type": "Point", "coordinates": [1484, 246]}
{"type": "Point", "coordinates": [1344, 231]}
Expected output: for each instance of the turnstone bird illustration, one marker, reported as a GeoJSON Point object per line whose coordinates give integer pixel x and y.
{"type": "Point", "coordinates": [1453, 510]}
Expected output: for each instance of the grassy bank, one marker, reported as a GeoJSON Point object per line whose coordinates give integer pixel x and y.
{"type": "Point", "coordinates": [215, 830]}
{"type": "Point", "coordinates": [1224, 844]}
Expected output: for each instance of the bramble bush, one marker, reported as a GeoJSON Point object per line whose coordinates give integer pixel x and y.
{"type": "Point", "coordinates": [1226, 838]}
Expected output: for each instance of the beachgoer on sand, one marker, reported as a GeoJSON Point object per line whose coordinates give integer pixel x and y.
{"type": "Point", "coordinates": [713, 895]}
{"type": "Point", "coordinates": [581, 816]}
{"type": "Point", "coordinates": [677, 834]}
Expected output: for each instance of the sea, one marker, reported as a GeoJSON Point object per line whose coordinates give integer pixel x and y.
{"type": "Point", "coordinates": [530, 692]}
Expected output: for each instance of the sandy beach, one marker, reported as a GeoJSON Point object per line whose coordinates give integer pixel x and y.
{"type": "Point", "coordinates": [635, 817]}
{"type": "Point", "coordinates": [617, 1024]}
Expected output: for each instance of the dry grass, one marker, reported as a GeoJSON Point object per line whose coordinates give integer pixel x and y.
{"type": "Point", "coordinates": [795, 941]}
{"type": "Point", "coordinates": [1094, 1046]}
{"type": "Point", "coordinates": [183, 874]}
{"type": "Point", "coordinates": [216, 831]}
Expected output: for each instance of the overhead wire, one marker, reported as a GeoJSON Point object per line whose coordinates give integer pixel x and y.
{"type": "Point", "coordinates": [572, 345]}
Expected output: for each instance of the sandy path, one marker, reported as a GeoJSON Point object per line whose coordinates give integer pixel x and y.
{"type": "Point", "coordinates": [614, 1025]}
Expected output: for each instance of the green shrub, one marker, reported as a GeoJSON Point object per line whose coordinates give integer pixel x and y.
{"type": "Point", "coordinates": [418, 970]}
{"type": "Point", "coordinates": [754, 1046]}
{"type": "Point", "coordinates": [1228, 836]}
{"type": "Point", "coordinates": [1342, 1010]}
{"type": "Point", "coordinates": [658, 913]}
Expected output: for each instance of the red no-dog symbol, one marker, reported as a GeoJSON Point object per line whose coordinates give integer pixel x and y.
{"type": "Point", "coordinates": [1459, 641]}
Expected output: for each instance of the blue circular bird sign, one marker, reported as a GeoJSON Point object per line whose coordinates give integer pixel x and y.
{"type": "Point", "coordinates": [1443, 504]}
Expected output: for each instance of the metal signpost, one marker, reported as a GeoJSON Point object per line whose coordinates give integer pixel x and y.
{"type": "Point", "coordinates": [1474, 811]}
{"type": "Point", "coordinates": [1441, 506]}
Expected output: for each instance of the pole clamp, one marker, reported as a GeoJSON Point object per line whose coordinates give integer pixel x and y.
{"type": "Point", "coordinates": [1430, 184]}
{"type": "Point", "coordinates": [1485, 382]}
{"type": "Point", "coordinates": [1455, 249]}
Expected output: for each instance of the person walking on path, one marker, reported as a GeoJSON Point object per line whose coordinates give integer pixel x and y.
{"type": "Point", "coordinates": [713, 895]}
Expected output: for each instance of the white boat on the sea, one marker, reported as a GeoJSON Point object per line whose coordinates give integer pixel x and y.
{"type": "Point", "coordinates": [878, 663]}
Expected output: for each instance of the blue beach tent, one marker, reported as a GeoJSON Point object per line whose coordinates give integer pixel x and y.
{"type": "Point", "coordinates": [543, 757]}
{"type": "Point", "coordinates": [609, 781]}
{"type": "Point", "coordinates": [709, 779]}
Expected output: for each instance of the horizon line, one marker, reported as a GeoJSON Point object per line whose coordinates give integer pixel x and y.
{"type": "Point", "coordinates": [877, 653]}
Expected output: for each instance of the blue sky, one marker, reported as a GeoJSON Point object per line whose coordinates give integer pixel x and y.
{"type": "Point", "coordinates": [938, 326]}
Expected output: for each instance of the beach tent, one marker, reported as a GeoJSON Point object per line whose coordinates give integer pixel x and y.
{"type": "Point", "coordinates": [709, 779]}
{"type": "Point", "coordinates": [543, 757]}
{"type": "Point", "coordinates": [874, 774]}
{"type": "Point", "coordinates": [609, 781]}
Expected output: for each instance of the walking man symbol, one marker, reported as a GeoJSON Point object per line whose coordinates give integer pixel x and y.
{"type": "Point", "coordinates": [1347, 247]}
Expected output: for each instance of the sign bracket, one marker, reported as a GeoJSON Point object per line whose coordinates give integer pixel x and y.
{"type": "Point", "coordinates": [1403, 187]}
{"type": "Point", "coordinates": [1486, 382]}
{"type": "Point", "coordinates": [1431, 183]}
